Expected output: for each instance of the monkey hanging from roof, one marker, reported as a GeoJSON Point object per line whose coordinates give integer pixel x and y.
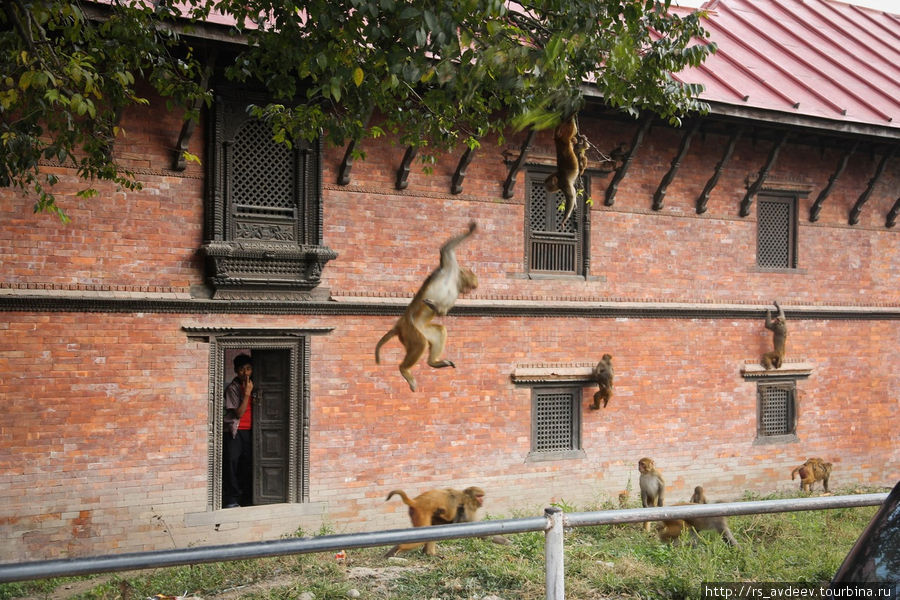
{"type": "Point", "coordinates": [571, 161]}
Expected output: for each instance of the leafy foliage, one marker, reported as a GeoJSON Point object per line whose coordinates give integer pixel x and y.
{"type": "Point", "coordinates": [438, 72]}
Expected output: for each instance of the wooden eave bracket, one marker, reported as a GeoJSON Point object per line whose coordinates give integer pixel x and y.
{"type": "Point", "coordinates": [660, 194]}
{"type": "Point", "coordinates": [864, 197]}
{"type": "Point", "coordinates": [510, 182]}
{"type": "Point", "coordinates": [553, 373]}
{"type": "Point", "coordinates": [460, 174]}
{"type": "Point", "coordinates": [626, 163]}
{"type": "Point", "coordinates": [826, 191]}
{"type": "Point", "coordinates": [763, 174]}
{"type": "Point", "coordinates": [346, 164]}
{"type": "Point", "coordinates": [189, 125]}
{"type": "Point", "coordinates": [891, 219]}
{"type": "Point", "coordinates": [791, 370]}
{"type": "Point", "coordinates": [703, 199]}
{"type": "Point", "coordinates": [403, 171]}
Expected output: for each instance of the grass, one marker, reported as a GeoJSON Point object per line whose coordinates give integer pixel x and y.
{"type": "Point", "coordinates": [609, 562]}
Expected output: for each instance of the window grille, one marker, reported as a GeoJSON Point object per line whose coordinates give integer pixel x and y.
{"type": "Point", "coordinates": [776, 232]}
{"type": "Point", "coordinates": [556, 420]}
{"type": "Point", "coordinates": [263, 182]}
{"type": "Point", "coordinates": [776, 408]}
{"type": "Point", "coordinates": [551, 246]}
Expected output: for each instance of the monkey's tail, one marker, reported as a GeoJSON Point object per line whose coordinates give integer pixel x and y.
{"type": "Point", "coordinates": [384, 339]}
{"type": "Point", "coordinates": [402, 495]}
{"type": "Point", "coordinates": [794, 472]}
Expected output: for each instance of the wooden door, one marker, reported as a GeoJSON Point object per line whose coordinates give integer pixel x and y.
{"type": "Point", "coordinates": [271, 427]}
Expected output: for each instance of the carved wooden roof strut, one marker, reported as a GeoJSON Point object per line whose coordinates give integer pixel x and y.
{"type": "Point", "coordinates": [703, 198]}
{"type": "Point", "coordinates": [842, 163]}
{"type": "Point", "coordinates": [514, 168]}
{"type": "Point", "coordinates": [626, 163]}
{"type": "Point", "coordinates": [187, 127]}
{"type": "Point", "coordinates": [673, 168]}
{"type": "Point", "coordinates": [346, 164]}
{"type": "Point", "coordinates": [891, 219]}
{"type": "Point", "coordinates": [864, 197]}
{"type": "Point", "coordinates": [403, 170]}
{"type": "Point", "coordinates": [763, 174]}
{"type": "Point", "coordinates": [460, 174]}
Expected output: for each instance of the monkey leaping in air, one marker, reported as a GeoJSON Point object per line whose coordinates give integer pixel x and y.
{"type": "Point", "coordinates": [437, 295]}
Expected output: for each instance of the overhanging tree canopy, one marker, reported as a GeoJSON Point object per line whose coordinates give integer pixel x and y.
{"type": "Point", "coordinates": [439, 72]}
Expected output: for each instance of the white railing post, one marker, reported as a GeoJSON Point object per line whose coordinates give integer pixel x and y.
{"type": "Point", "coordinates": [553, 554]}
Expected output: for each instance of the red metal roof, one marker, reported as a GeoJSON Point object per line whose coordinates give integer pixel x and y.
{"type": "Point", "coordinates": [816, 62]}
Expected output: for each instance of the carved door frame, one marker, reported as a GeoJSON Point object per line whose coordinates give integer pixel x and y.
{"type": "Point", "coordinates": [298, 407]}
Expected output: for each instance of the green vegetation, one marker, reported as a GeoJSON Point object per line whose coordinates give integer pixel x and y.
{"type": "Point", "coordinates": [618, 561]}
{"type": "Point", "coordinates": [440, 73]}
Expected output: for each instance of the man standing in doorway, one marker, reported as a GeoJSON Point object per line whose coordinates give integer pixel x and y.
{"type": "Point", "coordinates": [237, 442]}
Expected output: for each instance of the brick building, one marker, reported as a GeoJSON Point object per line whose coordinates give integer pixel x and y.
{"type": "Point", "coordinates": [118, 328]}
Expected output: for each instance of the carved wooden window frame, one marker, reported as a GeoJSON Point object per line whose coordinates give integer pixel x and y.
{"type": "Point", "coordinates": [577, 226]}
{"type": "Point", "coordinates": [270, 248]}
{"type": "Point", "coordinates": [788, 243]}
{"type": "Point", "coordinates": [574, 449]}
{"type": "Point", "coordinates": [297, 344]}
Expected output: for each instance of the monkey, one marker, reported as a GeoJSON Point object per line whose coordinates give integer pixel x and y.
{"type": "Point", "coordinates": [778, 326]}
{"type": "Point", "coordinates": [439, 507]}
{"type": "Point", "coordinates": [436, 296]}
{"type": "Point", "coordinates": [653, 486]}
{"type": "Point", "coordinates": [603, 375]}
{"type": "Point", "coordinates": [571, 161]}
{"type": "Point", "coordinates": [670, 530]}
{"type": "Point", "coordinates": [813, 470]}
{"type": "Point", "coordinates": [699, 497]}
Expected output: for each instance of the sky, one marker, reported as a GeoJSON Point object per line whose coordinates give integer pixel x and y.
{"type": "Point", "coordinates": [892, 6]}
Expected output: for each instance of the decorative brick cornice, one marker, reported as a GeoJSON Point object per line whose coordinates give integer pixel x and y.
{"type": "Point", "coordinates": [30, 300]}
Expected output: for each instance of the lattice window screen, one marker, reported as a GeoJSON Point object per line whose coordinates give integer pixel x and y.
{"type": "Point", "coordinates": [776, 409]}
{"type": "Point", "coordinates": [555, 421]}
{"type": "Point", "coordinates": [263, 176]}
{"type": "Point", "coordinates": [552, 246]}
{"type": "Point", "coordinates": [775, 233]}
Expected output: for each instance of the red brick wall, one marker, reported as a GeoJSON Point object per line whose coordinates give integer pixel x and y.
{"type": "Point", "coordinates": [105, 415]}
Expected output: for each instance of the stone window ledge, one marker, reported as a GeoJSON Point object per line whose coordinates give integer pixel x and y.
{"type": "Point", "coordinates": [794, 370]}
{"type": "Point", "coordinates": [553, 373]}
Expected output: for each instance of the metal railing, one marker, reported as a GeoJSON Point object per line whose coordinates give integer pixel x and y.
{"type": "Point", "coordinates": [553, 523]}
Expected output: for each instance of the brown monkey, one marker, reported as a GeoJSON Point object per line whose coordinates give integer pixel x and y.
{"type": "Point", "coordinates": [437, 295]}
{"type": "Point", "coordinates": [653, 486]}
{"type": "Point", "coordinates": [699, 497]}
{"type": "Point", "coordinates": [670, 531]}
{"type": "Point", "coordinates": [438, 507]}
{"type": "Point", "coordinates": [813, 470]}
{"type": "Point", "coordinates": [603, 375]}
{"type": "Point", "coordinates": [571, 161]}
{"type": "Point", "coordinates": [778, 326]}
